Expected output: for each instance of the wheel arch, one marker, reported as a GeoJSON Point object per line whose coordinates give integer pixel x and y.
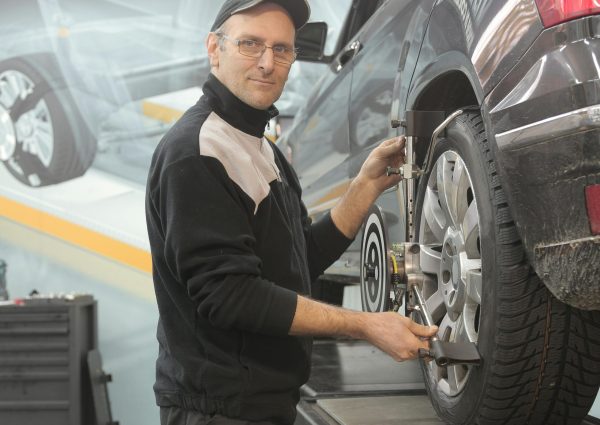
{"type": "Point", "coordinates": [46, 63]}
{"type": "Point", "coordinates": [446, 91]}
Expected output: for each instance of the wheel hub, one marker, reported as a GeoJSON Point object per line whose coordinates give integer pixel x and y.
{"type": "Point", "coordinates": [372, 271]}
{"type": "Point", "coordinates": [451, 272]}
{"type": "Point", "coordinates": [25, 126]}
{"type": "Point", "coordinates": [8, 138]}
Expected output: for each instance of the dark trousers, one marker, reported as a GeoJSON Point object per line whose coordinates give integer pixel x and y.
{"type": "Point", "coordinates": [178, 416]}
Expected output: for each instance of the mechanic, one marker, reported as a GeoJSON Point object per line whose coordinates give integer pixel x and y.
{"type": "Point", "coordinates": [233, 250]}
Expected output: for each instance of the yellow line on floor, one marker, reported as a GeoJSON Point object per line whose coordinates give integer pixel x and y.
{"type": "Point", "coordinates": [160, 112]}
{"type": "Point", "coordinates": [77, 235]}
{"type": "Point", "coordinates": [124, 278]}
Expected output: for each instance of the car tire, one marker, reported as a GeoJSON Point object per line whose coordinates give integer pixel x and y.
{"type": "Point", "coordinates": [540, 357]}
{"type": "Point", "coordinates": [44, 140]}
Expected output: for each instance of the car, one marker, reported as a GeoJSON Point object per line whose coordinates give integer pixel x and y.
{"type": "Point", "coordinates": [73, 74]}
{"type": "Point", "coordinates": [499, 208]}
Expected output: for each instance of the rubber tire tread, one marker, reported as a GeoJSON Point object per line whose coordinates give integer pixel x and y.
{"type": "Point", "coordinates": [545, 367]}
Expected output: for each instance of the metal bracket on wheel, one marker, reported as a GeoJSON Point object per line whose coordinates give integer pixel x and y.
{"type": "Point", "coordinates": [406, 271]}
{"type": "Point", "coordinates": [418, 124]}
{"type": "Point", "coordinates": [451, 353]}
{"type": "Point", "coordinates": [435, 137]}
{"type": "Point", "coordinates": [444, 353]}
{"type": "Point", "coordinates": [421, 124]}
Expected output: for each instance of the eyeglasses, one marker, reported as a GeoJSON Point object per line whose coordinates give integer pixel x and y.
{"type": "Point", "coordinates": [255, 49]}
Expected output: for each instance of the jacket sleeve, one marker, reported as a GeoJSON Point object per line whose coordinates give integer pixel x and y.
{"type": "Point", "coordinates": [209, 247]}
{"type": "Point", "coordinates": [324, 241]}
{"type": "Point", "coordinates": [325, 244]}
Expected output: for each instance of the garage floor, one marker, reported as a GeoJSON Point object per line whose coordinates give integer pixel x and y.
{"type": "Point", "coordinates": [391, 410]}
{"type": "Point", "coordinates": [354, 383]}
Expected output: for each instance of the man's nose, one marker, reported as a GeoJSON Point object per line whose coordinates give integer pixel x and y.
{"type": "Point", "coordinates": [266, 62]}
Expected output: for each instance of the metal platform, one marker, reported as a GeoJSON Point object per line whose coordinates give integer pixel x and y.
{"type": "Point", "coordinates": [356, 368]}
{"type": "Point", "coordinates": [354, 383]}
{"type": "Point", "coordinates": [382, 410]}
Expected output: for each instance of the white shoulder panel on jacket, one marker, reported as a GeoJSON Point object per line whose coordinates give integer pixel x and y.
{"type": "Point", "coordinates": [248, 160]}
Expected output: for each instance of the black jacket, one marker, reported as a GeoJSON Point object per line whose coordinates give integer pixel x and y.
{"type": "Point", "coordinates": [231, 248]}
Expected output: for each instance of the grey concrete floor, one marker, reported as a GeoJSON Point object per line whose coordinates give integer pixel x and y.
{"type": "Point", "coordinates": [392, 410]}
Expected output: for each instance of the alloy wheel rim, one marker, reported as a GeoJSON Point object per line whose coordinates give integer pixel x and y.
{"type": "Point", "coordinates": [33, 129]}
{"type": "Point", "coordinates": [451, 260]}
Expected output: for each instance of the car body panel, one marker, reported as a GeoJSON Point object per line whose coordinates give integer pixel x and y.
{"type": "Point", "coordinates": [464, 36]}
{"type": "Point", "coordinates": [376, 66]}
{"type": "Point", "coordinates": [545, 115]}
{"type": "Point", "coordinates": [330, 161]}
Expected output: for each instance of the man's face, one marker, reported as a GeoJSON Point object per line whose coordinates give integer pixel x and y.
{"type": "Point", "coordinates": [258, 82]}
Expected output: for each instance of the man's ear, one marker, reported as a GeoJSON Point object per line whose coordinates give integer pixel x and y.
{"type": "Point", "coordinates": [212, 46]}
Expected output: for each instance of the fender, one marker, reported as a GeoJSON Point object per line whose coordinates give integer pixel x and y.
{"type": "Point", "coordinates": [450, 64]}
{"type": "Point", "coordinates": [456, 42]}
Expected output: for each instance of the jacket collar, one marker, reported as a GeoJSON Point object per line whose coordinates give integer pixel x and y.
{"type": "Point", "coordinates": [235, 112]}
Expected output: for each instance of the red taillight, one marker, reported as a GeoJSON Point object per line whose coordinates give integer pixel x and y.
{"type": "Point", "coordinates": [556, 11]}
{"type": "Point", "coordinates": [592, 201]}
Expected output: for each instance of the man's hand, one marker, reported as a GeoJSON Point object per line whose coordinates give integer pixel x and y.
{"type": "Point", "coordinates": [373, 171]}
{"type": "Point", "coordinates": [392, 333]}
{"type": "Point", "coordinates": [397, 335]}
{"type": "Point", "coordinates": [371, 181]}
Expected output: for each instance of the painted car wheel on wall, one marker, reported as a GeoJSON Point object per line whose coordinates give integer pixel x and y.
{"type": "Point", "coordinates": [540, 365]}
{"type": "Point", "coordinates": [42, 139]}
{"type": "Point", "coordinates": [375, 272]}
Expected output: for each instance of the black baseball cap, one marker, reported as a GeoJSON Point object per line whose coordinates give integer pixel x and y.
{"type": "Point", "coordinates": [299, 10]}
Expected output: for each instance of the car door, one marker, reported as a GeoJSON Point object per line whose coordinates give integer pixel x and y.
{"type": "Point", "coordinates": [320, 140]}
{"type": "Point", "coordinates": [388, 45]}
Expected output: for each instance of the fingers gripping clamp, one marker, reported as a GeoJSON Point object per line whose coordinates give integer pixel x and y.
{"type": "Point", "coordinates": [451, 353]}
{"type": "Point", "coordinates": [409, 170]}
{"type": "Point", "coordinates": [444, 353]}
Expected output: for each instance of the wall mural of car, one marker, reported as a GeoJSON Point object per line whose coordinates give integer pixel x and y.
{"type": "Point", "coordinates": [65, 66]}
{"type": "Point", "coordinates": [505, 213]}
{"type": "Point", "coordinates": [68, 66]}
